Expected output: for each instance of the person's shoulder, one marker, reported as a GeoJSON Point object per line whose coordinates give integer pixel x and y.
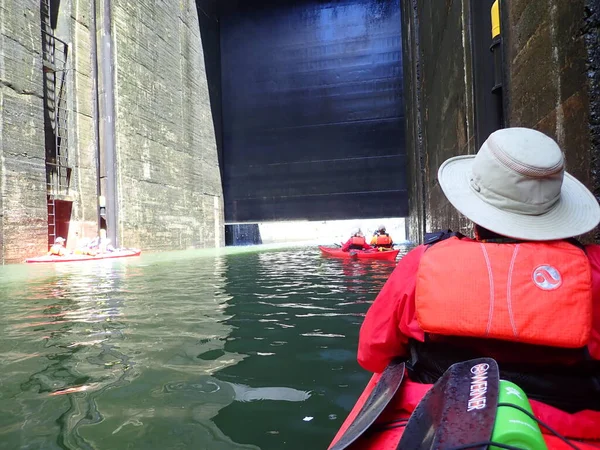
{"type": "Point", "coordinates": [593, 252]}
{"type": "Point", "coordinates": [437, 236]}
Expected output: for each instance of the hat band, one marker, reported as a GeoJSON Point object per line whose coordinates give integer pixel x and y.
{"type": "Point", "coordinates": [509, 205]}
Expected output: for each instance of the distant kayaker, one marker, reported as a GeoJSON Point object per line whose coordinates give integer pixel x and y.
{"type": "Point", "coordinates": [523, 291]}
{"type": "Point", "coordinates": [100, 244]}
{"type": "Point", "coordinates": [356, 242]}
{"type": "Point", "coordinates": [381, 239]}
{"type": "Point", "coordinates": [106, 246]}
{"type": "Point", "coordinates": [58, 248]}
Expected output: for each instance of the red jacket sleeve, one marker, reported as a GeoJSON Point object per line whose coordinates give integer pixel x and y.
{"type": "Point", "coordinates": [391, 319]}
{"type": "Point", "coordinates": [346, 246]}
{"type": "Point", "coordinates": [593, 253]}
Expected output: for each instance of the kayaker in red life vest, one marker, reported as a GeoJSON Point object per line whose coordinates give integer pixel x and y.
{"type": "Point", "coordinates": [523, 291]}
{"type": "Point", "coordinates": [356, 242]}
{"type": "Point", "coordinates": [381, 240]}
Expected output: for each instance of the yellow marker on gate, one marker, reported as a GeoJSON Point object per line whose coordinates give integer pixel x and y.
{"type": "Point", "coordinates": [496, 47]}
{"type": "Point", "coordinates": [495, 19]}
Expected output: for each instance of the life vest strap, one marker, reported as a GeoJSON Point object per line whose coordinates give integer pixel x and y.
{"type": "Point", "coordinates": [439, 236]}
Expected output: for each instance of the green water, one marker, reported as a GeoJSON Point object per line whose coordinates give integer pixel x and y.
{"type": "Point", "coordinates": [229, 349]}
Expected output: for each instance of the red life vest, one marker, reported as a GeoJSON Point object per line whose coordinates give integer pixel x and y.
{"type": "Point", "coordinates": [358, 241]}
{"type": "Point", "coordinates": [535, 293]}
{"type": "Point", "coordinates": [383, 240]}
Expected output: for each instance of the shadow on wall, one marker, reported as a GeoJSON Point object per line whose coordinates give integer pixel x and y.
{"type": "Point", "coordinates": [242, 234]}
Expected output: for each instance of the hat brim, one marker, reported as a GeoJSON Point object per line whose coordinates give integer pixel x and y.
{"type": "Point", "coordinates": [576, 212]}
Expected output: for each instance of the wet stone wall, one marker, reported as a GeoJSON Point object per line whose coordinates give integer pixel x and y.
{"type": "Point", "coordinates": [592, 43]}
{"type": "Point", "coordinates": [552, 60]}
{"type": "Point", "coordinates": [438, 86]}
{"type": "Point", "coordinates": [23, 224]}
{"type": "Point", "coordinates": [168, 184]}
{"type": "Point", "coordinates": [75, 26]}
{"type": "Point", "coordinates": [547, 79]}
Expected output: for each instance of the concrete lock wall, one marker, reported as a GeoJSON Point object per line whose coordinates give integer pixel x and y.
{"type": "Point", "coordinates": [169, 185]}
{"type": "Point", "coordinates": [23, 217]}
{"type": "Point", "coordinates": [168, 182]}
{"type": "Point", "coordinates": [547, 76]}
{"type": "Point", "coordinates": [75, 27]}
{"type": "Point", "coordinates": [439, 106]}
{"type": "Point", "coordinates": [551, 62]}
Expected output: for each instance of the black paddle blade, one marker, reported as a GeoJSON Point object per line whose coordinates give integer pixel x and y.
{"type": "Point", "coordinates": [380, 396]}
{"type": "Point", "coordinates": [459, 409]}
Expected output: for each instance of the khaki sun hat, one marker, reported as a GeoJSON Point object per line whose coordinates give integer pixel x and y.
{"type": "Point", "coordinates": [517, 186]}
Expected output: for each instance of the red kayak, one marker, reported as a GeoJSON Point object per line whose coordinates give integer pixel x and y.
{"type": "Point", "coordinates": [386, 255]}
{"type": "Point", "coordinates": [384, 437]}
{"type": "Point", "coordinates": [121, 253]}
{"type": "Point", "coordinates": [387, 428]}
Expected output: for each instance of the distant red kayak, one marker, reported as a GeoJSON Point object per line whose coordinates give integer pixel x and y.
{"type": "Point", "coordinates": [387, 255]}
{"type": "Point", "coordinates": [124, 253]}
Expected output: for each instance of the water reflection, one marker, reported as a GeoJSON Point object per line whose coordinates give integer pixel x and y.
{"type": "Point", "coordinates": [297, 314]}
{"type": "Point", "coordinates": [213, 352]}
{"type": "Point", "coordinates": [65, 325]}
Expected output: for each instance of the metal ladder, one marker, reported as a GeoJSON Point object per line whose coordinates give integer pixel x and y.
{"type": "Point", "coordinates": [51, 221]}
{"type": "Point", "coordinates": [54, 60]}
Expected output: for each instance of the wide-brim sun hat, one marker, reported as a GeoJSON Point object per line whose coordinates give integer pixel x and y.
{"type": "Point", "coordinates": [517, 186]}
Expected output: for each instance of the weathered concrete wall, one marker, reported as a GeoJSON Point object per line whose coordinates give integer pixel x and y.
{"type": "Point", "coordinates": [552, 60]}
{"type": "Point", "coordinates": [547, 79]}
{"type": "Point", "coordinates": [75, 21]}
{"type": "Point", "coordinates": [592, 42]}
{"type": "Point", "coordinates": [439, 99]}
{"type": "Point", "coordinates": [23, 214]}
{"type": "Point", "coordinates": [551, 65]}
{"type": "Point", "coordinates": [169, 185]}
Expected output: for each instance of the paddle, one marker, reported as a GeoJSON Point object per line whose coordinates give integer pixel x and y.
{"type": "Point", "coordinates": [378, 399]}
{"type": "Point", "coordinates": [459, 409]}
